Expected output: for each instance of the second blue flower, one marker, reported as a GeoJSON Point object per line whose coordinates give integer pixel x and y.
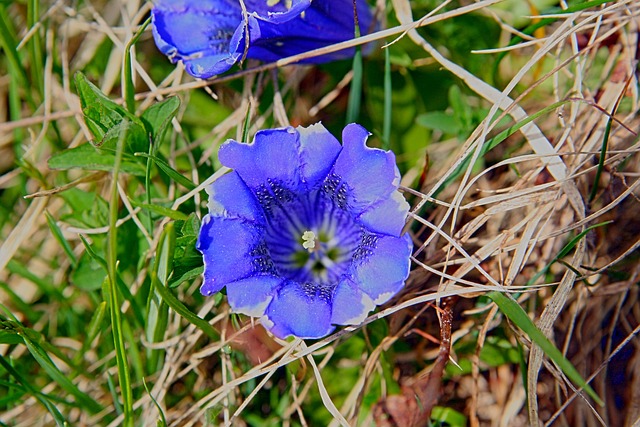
{"type": "Point", "coordinates": [209, 36]}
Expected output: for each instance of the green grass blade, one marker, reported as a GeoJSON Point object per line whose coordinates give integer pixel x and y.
{"type": "Point", "coordinates": [388, 101]}
{"type": "Point", "coordinates": [57, 234]}
{"type": "Point", "coordinates": [183, 311]}
{"type": "Point", "coordinates": [95, 327]}
{"type": "Point", "coordinates": [35, 46]}
{"type": "Point", "coordinates": [603, 156]}
{"type": "Point", "coordinates": [355, 93]}
{"type": "Point", "coordinates": [162, 422]}
{"type": "Point", "coordinates": [157, 310]}
{"type": "Point", "coordinates": [128, 88]}
{"type": "Point", "coordinates": [247, 123]}
{"type": "Point", "coordinates": [518, 316]}
{"type": "Point", "coordinates": [121, 285]}
{"type": "Point", "coordinates": [57, 416]}
{"type": "Point", "coordinates": [161, 210]}
{"type": "Point", "coordinates": [171, 172]}
{"type": "Point", "coordinates": [564, 251]}
{"type": "Point", "coordinates": [9, 46]}
{"type": "Point", "coordinates": [52, 370]}
{"type": "Point", "coordinates": [124, 376]}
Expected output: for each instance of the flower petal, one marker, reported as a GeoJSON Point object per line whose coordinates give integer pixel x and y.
{"type": "Point", "coordinates": [228, 247]}
{"type": "Point", "coordinates": [323, 23]}
{"type": "Point", "coordinates": [252, 295]}
{"type": "Point", "coordinates": [350, 305]}
{"type": "Point", "coordinates": [272, 156]}
{"type": "Point", "coordinates": [370, 173]}
{"type": "Point", "coordinates": [230, 197]}
{"type": "Point", "coordinates": [280, 11]}
{"type": "Point", "coordinates": [318, 151]}
{"type": "Point", "coordinates": [383, 266]}
{"type": "Point", "coordinates": [200, 33]}
{"type": "Point", "coordinates": [388, 216]}
{"type": "Point", "coordinates": [296, 311]}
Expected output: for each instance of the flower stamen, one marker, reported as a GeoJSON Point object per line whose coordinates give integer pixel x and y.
{"type": "Point", "coordinates": [309, 241]}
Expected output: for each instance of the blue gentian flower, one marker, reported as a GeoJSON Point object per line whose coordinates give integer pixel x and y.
{"type": "Point", "coordinates": [209, 36]}
{"type": "Point", "coordinates": [305, 232]}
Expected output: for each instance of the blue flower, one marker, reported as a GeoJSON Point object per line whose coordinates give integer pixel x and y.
{"type": "Point", "coordinates": [208, 36]}
{"type": "Point", "coordinates": [305, 232]}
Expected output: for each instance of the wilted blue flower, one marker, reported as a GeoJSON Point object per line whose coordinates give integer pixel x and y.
{"type": "Point", "coordinates": [209, 35]}
{"type": "Point", "coordinates": [305, 232]}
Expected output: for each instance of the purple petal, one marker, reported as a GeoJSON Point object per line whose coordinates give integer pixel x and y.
{"type": "Point", "coordinates": [226, 246]}
{"type": "Point", "coordinates": [230, 197]}
{"type": "Point", "coordinates": [388, 216]}
{"type": "Point", "coordinates": [296, 311]}
{"type": "Point", "coordinates": [273, 155]}
{"type": "Point", "coordinates": [278, 13]}
{"type": "Point", "coordinates": [252, 295]}
{"type": "Point", "coordinates": [350, 305]}
{"type": "Point", "coordinates": [318, 151]}
{"type": "Point", "coordinates": [370, 173]}
{"type": "Point", "coordinates": [323, 23]}
{"type": "Point", "coordinates": [202, 34]}
{"type": "Point", "coordinates": [382, 269]}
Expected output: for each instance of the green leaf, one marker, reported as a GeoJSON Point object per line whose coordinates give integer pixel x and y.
{"type": "Point", "coordinates": [191, 226]}
{"type": "Point", "coordinates": [113, 296]}
{"type": "Point", "coordinates": [161, 210]}
{"type": "Point", "coordinates": [355, 92]}
{"type": "Point", "coordinates": [157, 310]}
{"type": "Point", "coordinates": [565, 251]}
{"type": "Point", "coordinates": [89, 274]}
{"type": "Point", "coordinates": [92, 331]}
{"type": "Point", "coordinates": [182, 275]}
{"type": "Point", "coordinates": [87, 157]}
{"type": "Point", "coordinates": [439, 120]}
{"type": "Point", "coordinates": [182, 310]}
{"type": "Point", "coordinates": [136, 138]}
{"type": "Point", "coordinates": [173, 174]}
{"type": "Point", "coordinates": [461, 109]}
{"type": "Point", "coordinates": [517, 315]}
{"type": "Point", "coordinates": [57, 234]}
{"type": "Point", "coordinates": [128, 87]}
{"type": "Point", "coordinates": [448, 416]}
{"type": "Point", "coordinates": [52, 370]}
{"type": "Point", "coordinates": [9, 336]}
{"type": "Point", "coordinates": [157, 117]}
{"type": "Point", "coordinates": [57, 416]}
{"type": "Point", "coordinates": [101, 113]}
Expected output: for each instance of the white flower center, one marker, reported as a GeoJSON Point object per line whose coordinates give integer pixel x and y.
{"type": "Point", "coordinates": [309, 240]}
